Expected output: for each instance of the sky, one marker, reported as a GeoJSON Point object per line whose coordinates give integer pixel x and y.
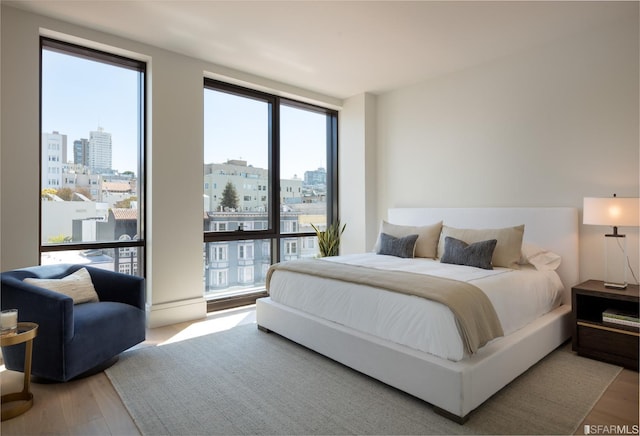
{"type": "Point", "coordinates": [237, 128]}
{"type": "Point", "coordinates": [79, 95]}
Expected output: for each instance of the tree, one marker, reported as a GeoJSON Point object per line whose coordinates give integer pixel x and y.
{"type": "Point", "coordinates": [229, 197]}
{"type": "Point", "coordinates": [59, 239]}
{"type": "Point", "coordinates": [126, 203]}
{"type": "Point", "coordinates": [86, 192]}
{"type": "Point", "coordinates": [65, 193]}
{"type": "Point", "coordinates": [46, 192]}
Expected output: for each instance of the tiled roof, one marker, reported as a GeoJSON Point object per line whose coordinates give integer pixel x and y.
{"type": "Point", "coordinates": [120, 213]}
{"type": "Point", "coordinates": [116, 187]}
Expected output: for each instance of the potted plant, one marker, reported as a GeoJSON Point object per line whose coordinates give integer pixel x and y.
{"type": "Point", "coordinates": [329, 239]}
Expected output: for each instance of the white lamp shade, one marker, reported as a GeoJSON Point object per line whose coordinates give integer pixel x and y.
{"type": "Point", "coordinates": [612, 211]}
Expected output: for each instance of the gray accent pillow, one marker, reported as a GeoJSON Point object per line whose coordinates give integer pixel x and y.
{"type": "Point", "coordinates": [399, 247]}
{"type": "Point", "coordinates": [508, 249]}
{"type": "Point", "coordinates": [428, 237]}
{"type": "Point", "coordinates": [478, 254]}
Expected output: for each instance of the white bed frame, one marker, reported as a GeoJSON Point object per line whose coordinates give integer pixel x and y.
{"type": "Point", "coordinates": [454, 388]}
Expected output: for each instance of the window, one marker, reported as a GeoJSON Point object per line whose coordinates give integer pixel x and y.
{"type": "Point", "coordinates": [92, 149]}
{"type": "Point", "coordinates": [245, 251]}
{"type": "Point", "coordinates": [270, 170]}
{"type": "Point", "coordinates": [219, 278]}
{"type": "Point", "coordinates": [290, 226]}
{"type": "Point", "coordinates": [220, 253]}
{"type": "Point", "coordinates": [245, 274]}
{"type": "Point", "coordinates": [291, 247]}
{"type": "Point", "coordinates": [266, 248]}
{"type": "Point", "coordinates": [218, 226]}
{"type": "Point", "coordinates": [309, 243]}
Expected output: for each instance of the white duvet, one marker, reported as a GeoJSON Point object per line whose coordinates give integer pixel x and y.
{"type": "Point", "coordinates": [518, 296]}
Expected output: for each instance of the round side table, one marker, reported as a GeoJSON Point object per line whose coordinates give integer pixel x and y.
{"type": "Point", "coordinates": [26, 332]}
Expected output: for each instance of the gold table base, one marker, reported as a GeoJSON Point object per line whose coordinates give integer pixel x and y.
{"type": "Point", "coordinates": [26, 332]}
{"type": "Point", "coordinates": [17, 409]}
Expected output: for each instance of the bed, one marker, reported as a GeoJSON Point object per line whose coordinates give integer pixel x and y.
{"type": "Point", "coordinates": [457, 383]}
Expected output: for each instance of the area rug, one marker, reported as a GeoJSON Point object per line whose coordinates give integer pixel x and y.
{"type": "Point", "coordinates": [244, 382]}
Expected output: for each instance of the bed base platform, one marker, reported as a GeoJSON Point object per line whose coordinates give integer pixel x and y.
{"type": "Point", "coordinates": [455, 389]}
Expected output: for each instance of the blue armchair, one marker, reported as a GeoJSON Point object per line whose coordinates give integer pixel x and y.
{"type": "Point", "coordinates": [74, 340]}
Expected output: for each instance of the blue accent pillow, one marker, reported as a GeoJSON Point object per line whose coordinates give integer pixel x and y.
{"type": "Point", "coordinates": [399, 247]}
{"type": "Point", "coordinates": [478, 254]}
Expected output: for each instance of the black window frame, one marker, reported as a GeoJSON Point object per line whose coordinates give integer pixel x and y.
{"type": "Point", "coordinates": [92, 54]}
{"type": "Point", "coordinates": [273, 233]}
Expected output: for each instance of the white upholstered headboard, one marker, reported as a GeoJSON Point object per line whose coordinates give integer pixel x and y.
{"type": "Point", "coordinates": [554, 228]}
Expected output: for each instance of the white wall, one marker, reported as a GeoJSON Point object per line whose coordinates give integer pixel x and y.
{"type": "Point", "coordinates": [174, 156]}
{"type": "Point", "coordinates": [356, 172]}
{"type": "Point", "coordinates": [545, 127]}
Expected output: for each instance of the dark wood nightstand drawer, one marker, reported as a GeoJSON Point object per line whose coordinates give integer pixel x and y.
{"type": "Point", "coordinates": [608, 342]}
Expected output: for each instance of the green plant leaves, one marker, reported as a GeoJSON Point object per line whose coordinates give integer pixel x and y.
{"type": "Point", "coordinates": [329, 239]}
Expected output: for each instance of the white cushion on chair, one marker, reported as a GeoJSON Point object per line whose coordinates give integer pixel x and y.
{"type": "Point", "coordinates": [77, 286]}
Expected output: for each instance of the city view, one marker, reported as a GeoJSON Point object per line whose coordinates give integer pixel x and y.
{"type": "Point", "coordinates": [85, 200]}
{"type": "Point", "coordinates": [90, 184]}
{"type": "Point", "coordinates": [236, 198]}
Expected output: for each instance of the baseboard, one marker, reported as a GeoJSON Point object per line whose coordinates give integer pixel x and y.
{"type": "Point", "coordinates": [174, 312]}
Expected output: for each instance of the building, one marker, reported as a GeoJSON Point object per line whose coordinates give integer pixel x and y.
{"type": "Point", "coordinates": [114, 192]}
{"type": "Point", "coordinates": [63, 214]}
{"type": "Point", "coordinates": [54, 156]}
{"type": "Point", "coordinates": [81, 152]}
{"type": "Point", "coordinates": [251, 185]}
{"type": "Point", "coordinates": [235, 266]}
{"type": "Point", "coordinates": [100, 151]}
{"type": "Point", "coordinates": [291, 190]}
{"type": "Point", "coordinates": [79, 178]}
{"type": "Point", "coordinates": [119, 224]}
{"type": "Point", "coordinates": [232, 266]}
{"type": "Point", "coordinates": [317, 177]}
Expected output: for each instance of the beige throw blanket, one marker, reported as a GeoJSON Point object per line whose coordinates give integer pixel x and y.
{"type": "Point", "coordinates": [475, 316]}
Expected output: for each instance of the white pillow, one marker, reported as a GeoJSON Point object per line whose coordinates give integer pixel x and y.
{"type": "Point", "coordinates": [428, 236]}
{"type": "Point", "coordinates": [541, 258]}
{"type": "Point", "coordinates": [508, 249]}
{"type": "Point", "coordinates": [77, 286]}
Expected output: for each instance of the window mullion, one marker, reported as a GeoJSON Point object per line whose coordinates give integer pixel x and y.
{"type": "Point", "coordinates": [274, 153]}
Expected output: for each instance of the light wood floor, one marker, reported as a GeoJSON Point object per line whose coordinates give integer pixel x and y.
{"type": "Point", "coordinates": [91, 406]}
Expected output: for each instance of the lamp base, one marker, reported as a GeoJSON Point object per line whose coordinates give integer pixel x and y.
{"type": "Point", "coordinates": [618, 286]}
{"type": "Point", "coordinates": [615, 257]}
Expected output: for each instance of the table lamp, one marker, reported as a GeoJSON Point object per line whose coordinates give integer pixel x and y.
{"type": "Point", "coordinates": [615, 212]}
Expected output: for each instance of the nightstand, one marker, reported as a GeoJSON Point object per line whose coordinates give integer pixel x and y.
{"type": "Point", "coordinates": [613, 343]}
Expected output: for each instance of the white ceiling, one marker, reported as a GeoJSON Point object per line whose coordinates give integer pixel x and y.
{"type": "Point", "coordinates": [338, 48]}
